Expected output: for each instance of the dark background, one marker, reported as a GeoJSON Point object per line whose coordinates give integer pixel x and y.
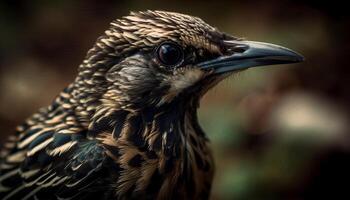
{"type": "Point", "coordinates": [277, 132]}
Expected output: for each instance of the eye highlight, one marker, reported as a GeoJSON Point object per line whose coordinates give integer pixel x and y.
{"type": "Point", "coordinates": [170, 54]}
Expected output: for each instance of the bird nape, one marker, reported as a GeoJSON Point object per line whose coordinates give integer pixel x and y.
{"type": "Point", "coordinates": [127, 127]}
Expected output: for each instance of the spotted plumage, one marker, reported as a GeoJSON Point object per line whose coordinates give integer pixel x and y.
{"type": "Point", "coordinates": [127, 127]}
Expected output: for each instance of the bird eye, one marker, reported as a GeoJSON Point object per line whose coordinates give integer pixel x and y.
{"type": "Point", "coordinates": [170, 54]}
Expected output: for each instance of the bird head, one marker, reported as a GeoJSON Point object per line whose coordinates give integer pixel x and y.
{"type": "Point", "coordinates": [155, 58]}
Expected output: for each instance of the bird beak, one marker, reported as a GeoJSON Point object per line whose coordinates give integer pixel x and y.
{"type": "Point", "coordinates": [246, 54]}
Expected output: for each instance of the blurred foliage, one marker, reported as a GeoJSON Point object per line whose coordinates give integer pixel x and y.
{"type": "Point", "coordinates": [276, 132]}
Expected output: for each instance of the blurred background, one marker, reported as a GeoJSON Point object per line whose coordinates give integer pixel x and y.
{"type": "Point", "coordinates": [277, 132]}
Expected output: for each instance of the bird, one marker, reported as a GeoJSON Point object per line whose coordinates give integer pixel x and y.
{"type": "Point", "coordinates": [127, 126]}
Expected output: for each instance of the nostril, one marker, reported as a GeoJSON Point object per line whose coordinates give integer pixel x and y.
{"type": "Point", "coordinates": [240, 48]}
{"type": "Point", "coordinates": [235, 46]}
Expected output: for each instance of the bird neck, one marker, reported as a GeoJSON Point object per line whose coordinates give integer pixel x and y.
{"type": "Point", "coordinates": [168, 129]}
{"type": "Point", "coordinates": [165, 129]}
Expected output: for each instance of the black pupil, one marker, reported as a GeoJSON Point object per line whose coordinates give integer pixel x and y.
{"type": "Point", "coordinates": [170, 54]}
